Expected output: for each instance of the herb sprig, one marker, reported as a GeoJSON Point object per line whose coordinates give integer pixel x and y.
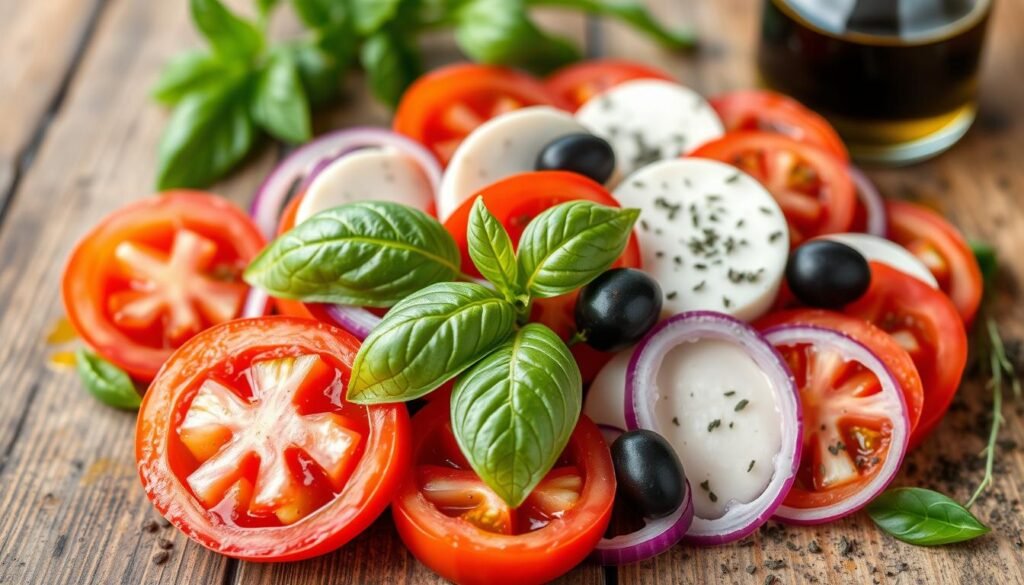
{"type": "Point", "coordinates": [243, 85]}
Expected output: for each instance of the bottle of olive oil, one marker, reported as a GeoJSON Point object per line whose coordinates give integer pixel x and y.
{"type": "Point", "coordinates": [897, 78]}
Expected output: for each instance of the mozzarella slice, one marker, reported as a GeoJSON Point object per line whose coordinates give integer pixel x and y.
{"type": "Point", "coordinates": [503, 146]}
{"type": "Point", "coordinates": [887, 252]}
{"type": "Point", "coordinates": [710, 234]}
{"type": "Point", "coordinates": [649, 120]}
{"type": "Point", "coordinates": [605, 398]}
{"type": "Point", "coordinates": [369, 174]}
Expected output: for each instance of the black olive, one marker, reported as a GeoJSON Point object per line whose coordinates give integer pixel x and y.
{"type": "Point", "coordinates": [586, 154]}
{"type": "Point", "coordinates": [618, 308]}
{"type": "Point", "coordinates": [827, 274]}
{"type": "Point", "coordinates": [648, 473]}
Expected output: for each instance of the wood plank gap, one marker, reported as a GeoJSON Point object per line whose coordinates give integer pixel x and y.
{"type": "Point", "coordinates": [231, 571]}
{"type": "Point", "coordinates": [28, 153]}
{"type": "Point", "coordinates": [19, 426]}
{"type": "Point", "coordinates": [611, 576]}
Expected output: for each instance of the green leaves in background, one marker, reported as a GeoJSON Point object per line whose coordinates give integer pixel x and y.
{"type": "Point", "coordinates": [391, 64]}
{"type": "Point", "coordinates": [426, 340]}
{"type": "Point", "coordinates": [631, 12]}
{"type": "Point", "coordinates": [369, 254]}
{"type": "Point", "coordinates": [230, 36]}
{"type": "Point", "coordinates": [569, 245]}
{"type": "Point", "coordinates": [501, 32]}
{"type": "Point", "coordinates": [105, 381]}
{"type": "Point", "coordinates": [924, 517]}
{"type": "Point", "coordinates": [513, 412]}
{"type": "Point", "coordinates": [192, 72]}
{"type": "Point", "coordinates": [279, 104]}
{"type": "Point", "coordinates": [492, 253]}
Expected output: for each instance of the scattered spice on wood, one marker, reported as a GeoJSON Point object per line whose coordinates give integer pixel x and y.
{"type": "Point", "coordinates": [847, 546]}
{"type": "Point", "coordinates": [751, 569]}
{"type": "Point", "coordinates": [775, 564]}
{"type": "Point", "coordinates": [161, 557]}
{"type": "Point", "coordinates": [814, 547]}
{"type": "Point", "coordinates": [165, 544]}
{"type": "Point", "coordinates": [150, 526]}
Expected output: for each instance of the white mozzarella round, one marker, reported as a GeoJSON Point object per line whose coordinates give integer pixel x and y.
{"type": "Point", "coordinates": [648, 120]}
{"type": "Point", "coordinates": [503, 146]}
{"type": "Point", "coordinates": [710, 234]}
{"type": "Point", "coordinates": [605, 398]}
{"type": "Point", "coordinates": [887, 252]}
{"type": "Point", "coordinates": [369, 174]}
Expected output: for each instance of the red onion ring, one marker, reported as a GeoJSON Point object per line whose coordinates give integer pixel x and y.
{"type": "Point", "coordinates": [850, 349]}
{"type": "Point", "coordinates": [656, 537]}
{"type": "Point", "coordinates": [878, 219]}
{"type": "Point", "coordinates": [740, 518]}
{"type": "Point", "coordinates": [356, 320]}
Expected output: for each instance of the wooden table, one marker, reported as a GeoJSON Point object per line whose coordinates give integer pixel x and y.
{"type": "Point", "coordinates": [78, 138]}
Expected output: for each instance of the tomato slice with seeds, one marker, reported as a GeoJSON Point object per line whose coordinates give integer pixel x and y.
{"type": "Point", "coordinates": [811, 185]}
{"type": "Point", "coordinates": [927, 325]}
{"type": "Point", "coordinates": [453, 523]}
{"type": "Point", "coordinates": [157, 272]}
{"type": "Point", "coordinates": [941, 248]}
{"type": "Point", "coordinates": [577, 83]}
{"type": "Point", "coordinates": [246, 443]}
{"type": "Point", "coordinates": [441, 108]}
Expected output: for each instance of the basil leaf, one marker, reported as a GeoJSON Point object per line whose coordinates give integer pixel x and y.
{"type": "Point", "coordinates": [190, 72]}
{"type": "Point", "coordinates": [279, 103]}
{"type": "Point", "coordinates": [229, 35]}
{"type": "Point", "coordinates": [427, 339]}
{"type": "Point", "coordinates": [632, 13]}
{"type": "Point", "coordinates": [265, 7]}
{"type": "Point", "coordinates": [492, 253]}
{"type": "Point", "coordinates": [513, 412]}
{"type": "Point", "coordinates": [105, 381]}
{"type": "Point", "coordinates": [924, 517]}
{"type": "Point", "coordinates": [318, 13]}
{"type": "Point", "coordinates": [569, 245]}
{"type": "Point", "coordinates": [985, 256]}
{"type": "Point", "coordinates": [370, 253]}
{"type": "Point", "coordinates": [208, 133]}
{"type": "Point", "coordinates": [501, 32]}
{"type": "Point", "coordinates": [391, 65]}
{"type": "Point", "coordinates": [371, 15]}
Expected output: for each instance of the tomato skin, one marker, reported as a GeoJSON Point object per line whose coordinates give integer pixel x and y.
{"type": "Point", "coordinates": [768, 111]}
{"type": "Point", "coordinates": [901, 304]}
{"type": "Point", "coordinates": [92, 266]}
{"type": "Point", "coordinates": [369, 488]}
{"type": "Point", "coordinates": [465, 554]}
{"type": "Point", "coordinates": [578, 82]}
{"type": "Point", "coordinates": [291, 307]}
{"type": "Point", "coordinates": [943, 250]}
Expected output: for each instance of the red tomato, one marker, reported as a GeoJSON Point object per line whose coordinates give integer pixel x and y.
{"type": "Point", "coordinates": [941, 248]}
{"type": "Point", "coordinates": [246, 443]}
{"type": "Point", "coordinates": [811, 185]}
{"type": "Point", "coordinates": [895, 358]}
{"type": "Point", "coordinates": [577, 83]}
{"type": "Point", "coordinates": [291, 307]}
{"type": "Point", "coordinates": [453, 523]}
{"type": "Point", "coordinates": [514, 202]}
{"type": "Point", "coordinates": [156, 272]}
{"type": "Point", "coordinates": [926, 324]}
{"type": "Point", "coordinates": [444, 106]}
{"type": "Point", "coordinates": [767, 111]}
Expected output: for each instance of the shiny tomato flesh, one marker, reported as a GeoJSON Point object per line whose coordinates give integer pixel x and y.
{"type": "Point", "coordinates": [246, 443]}
{"type": "Point", "coordinates": [577, 83]}
{"type": "Point", "coordinates": [453, 523]}
{"type": "Point", "coordinates": [811, 185]}
{"type": "Point", "coordinates": [157, 272]}
{"type": "Point", "coordinates": [441, 108]}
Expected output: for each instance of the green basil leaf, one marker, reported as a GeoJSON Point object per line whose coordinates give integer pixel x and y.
{"type": "Point", "coordinates": [513, 412]}
{"type": "Point", "coordinates": [492, 253]}
{"type": "Point", "coordinates": [370, 253]}
{"type": "Point", "coordinates": [924, 517]}
{"type": "Point", "coordinates": [988, 263]}
{"type": "Point", "coordinates": [391, 65]}
{"type": "Point", "coordinates": [371, 15]}
{"type": "Point", "coordinates": [570, 244]}
{"type": "Point", "coordinates": [500, 32]}
{"type": "Point", "coordinates": [427, 339]}
{"type": "Point", "coordinates": [266, 7]}
{"type": "Point", "coordinates": [632, 13]}
{"type": "Point", "coordinates": [190, 72]}
{"type": "Point", "coordinates": [229, 35]}
{"type": "Point", "coordinates": [208, 133]}
{"type": "Point", "coordinates": [279, 103]}
{"type": "Point", "coordinates": [318, 13]}
{"type": "Point", "coordinates": [106, 382]}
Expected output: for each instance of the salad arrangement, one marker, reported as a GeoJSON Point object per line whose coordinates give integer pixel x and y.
{"type": "Point", "coordinates": [597, 292]}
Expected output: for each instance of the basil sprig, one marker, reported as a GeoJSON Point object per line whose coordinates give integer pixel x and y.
{"type": "Point", "coordinates": [106, 382]}
{"type": "Point", "coordinates": [492, 253]}
{"type": "Point", "coordinates": [924, 517]}
{"type": "Point", "coordinates": [243, 85]}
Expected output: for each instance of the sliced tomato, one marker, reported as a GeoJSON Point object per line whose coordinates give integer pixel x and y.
{"type": "Point", "coordinates": [941, 248]}
{"type": "Point", "coordinates": [895, 358]}
{"type": "Point", "coordinates": [926, 324]}
{"type": "Point", "coordinates": [767, 111]}
{"type": "Point", "coordinates": [156, 272]}
{"type": "Point", "coordinates": [444, 106]}
{"type": "Point", "coordinates": [453, 523]}
{"type": "Point", "coordinates": [514, 202]}
{"type": "Point", "coordinates": [811, 185]}
{"type": "Point", "coordinates": [246, 443]}
{"type": "Point", "coordinates": [577, 83]}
